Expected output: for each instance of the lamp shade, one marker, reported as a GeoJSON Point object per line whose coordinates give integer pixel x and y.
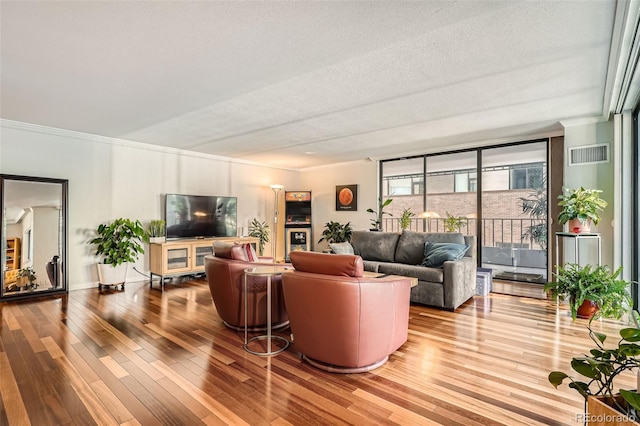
{"type": "Point", "coordinates": [427, 215]}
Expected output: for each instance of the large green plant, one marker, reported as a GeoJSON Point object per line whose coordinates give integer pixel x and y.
{"type": "Point", "coordinates": [335, 232]}
{"type": "Point", "coordinates": [601, 367]}
{"type": "Point", "coordinates": [535, 205]}
{"type": "Point", "coordinates": [259, 230]}
{"type": "Point", "coordinates": [120, 241]}
{"type": "Point", "coordinates": [376, 222]}
{"type": "Point", "coordinates": [582, 204]}
{"type": "Point", "coordinates": [405, 218]}
{"type": "Point", "coordinates": [596, 283]}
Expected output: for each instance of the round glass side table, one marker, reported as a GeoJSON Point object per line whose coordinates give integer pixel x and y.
{"type": "Point", "coordinates": [268, 272]}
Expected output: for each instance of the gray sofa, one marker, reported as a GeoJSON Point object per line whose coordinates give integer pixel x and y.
{"type": "Point", "coordinates": [402, 254]}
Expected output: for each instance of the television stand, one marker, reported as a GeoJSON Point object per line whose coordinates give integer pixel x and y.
{"type": "Point", "coordinates": [177, 258]}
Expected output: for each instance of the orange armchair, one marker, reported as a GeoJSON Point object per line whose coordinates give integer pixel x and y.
{"type": "Point", "coordinates": [342, 321]}
{"type": "Point", "coordinates": [225, 275]}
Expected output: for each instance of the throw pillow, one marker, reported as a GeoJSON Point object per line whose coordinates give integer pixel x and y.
{"type": "Point", "coordinates": [341, 248]}
{"type": "Point", "coordinates": [435, 254]}
{"type": "Point", "coordinates": [250, 252]}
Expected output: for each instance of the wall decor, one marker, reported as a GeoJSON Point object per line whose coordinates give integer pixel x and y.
{"type": "Point", "coordinates": [347, 198]}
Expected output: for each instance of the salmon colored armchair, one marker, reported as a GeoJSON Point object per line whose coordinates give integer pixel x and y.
{"type": "Point", "coordinates": [225, 275]}
{"type": "Point", "coordinates": [342, 321]}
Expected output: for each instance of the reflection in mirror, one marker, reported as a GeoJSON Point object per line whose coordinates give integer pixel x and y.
{"type": "Point", "coordinates": [33, 236]}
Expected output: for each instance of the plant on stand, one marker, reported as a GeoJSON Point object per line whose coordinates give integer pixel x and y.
{"type": "Point", "coordinates": [454, 223]}
{"type": "Point", "coordinates": [580, 207]}
{"type": "Point", "coordinates": [591, 290]}
{"type": "Point", "coordinates": [259, 230]}
{"type": "Point", "coordinates": [376, 222]}
{"type": "Point", "coordinates": [405, 218]}
{"type": "Point", "coordinates": [120, 243]}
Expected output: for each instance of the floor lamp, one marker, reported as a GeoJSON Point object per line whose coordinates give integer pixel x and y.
{"type": "Point", "coordinates": [276, 191]}
{"type": "Point", "coordinates": [427, 216]}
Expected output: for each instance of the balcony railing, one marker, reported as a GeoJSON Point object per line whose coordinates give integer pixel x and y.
{"type": "Point", "coordinates": [499, 232]}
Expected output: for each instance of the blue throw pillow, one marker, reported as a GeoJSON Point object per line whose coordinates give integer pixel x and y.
{"type": "Point", "coordinates": [435, 254]}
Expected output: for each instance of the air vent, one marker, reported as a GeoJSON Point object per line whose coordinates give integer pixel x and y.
{"type": "Point", "coordinates": [589, 154]}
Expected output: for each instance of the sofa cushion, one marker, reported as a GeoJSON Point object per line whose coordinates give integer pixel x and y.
{"type": "Point", "coordinates": [411, 244]}
{"type": "Point", "coordinates": [445, 237]}
{"type": "Point", "coordinates": [341, 248]}
{"type": "Point", "coordinates": [372, 245]}
{"type": "Point", "coordinates": [434, 275]}
{"type": "Point", "coordinates": [435, 254]}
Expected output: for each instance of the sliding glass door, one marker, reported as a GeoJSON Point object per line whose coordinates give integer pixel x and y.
{"type": "Point", "coordinates": [511, 223]}
{"type": "Point", "coordinates": [514, 212]}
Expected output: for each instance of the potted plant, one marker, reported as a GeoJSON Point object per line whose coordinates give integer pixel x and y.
{"type": "Point", "coordinates": [27, 278]}
{"type": "Point", "coordinates": [157, 231]}
{"type": "Point", "coordinates": [580, 207]}
{"type": "Point", "coordinates": [454, 223]}
{"type": "Point", "coordinates": [335, 232]}
{"type": "Point", "coordinates": [591, 290]}
{"type": "Point", "coordinates": [405, 218]}
{"type": "Point", "coordinates": [376, 222]}
{"type": "Point", "coordinates": [259, 230]}
{"type": "Point", "coordinates": [119, 242]}
{"type": "Point", "coordinates": [600, 368]}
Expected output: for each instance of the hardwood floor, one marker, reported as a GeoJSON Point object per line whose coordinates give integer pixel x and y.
{"type": "Point", "coordinates": [146, 357]}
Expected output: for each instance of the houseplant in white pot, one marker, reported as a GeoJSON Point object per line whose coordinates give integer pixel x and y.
{"type": "Point", "coordinates": [157, 231]}
{"type": "Point", "coordinates": [119, 242]}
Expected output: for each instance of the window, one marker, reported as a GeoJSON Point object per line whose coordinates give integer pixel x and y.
{"type": "Point", "coordinates": [526, 178]}
{"type": "Point", "coordinates": [465, 181]}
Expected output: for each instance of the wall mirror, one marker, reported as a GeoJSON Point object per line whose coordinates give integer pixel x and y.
{"type": "Point", "coordinates": [33, 236]}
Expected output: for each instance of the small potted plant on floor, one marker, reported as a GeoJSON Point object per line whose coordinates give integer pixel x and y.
{"type": "Point", "coordinates": [405, 218]}
{"type": "Point", "coordinates": [376, 222]}
{"type": "Point", "coordinates": [600, 369]}
{"type": "Point", "coordinates": [591, 290]}
{"type": "Point", "coordinates": [259, 230]}
{"type": "Point", "coordinates": [119, 243]}
{"type": "Point", "coordinates": [580, 207]}
{"type": "Point", "coordinates": [454, 223]}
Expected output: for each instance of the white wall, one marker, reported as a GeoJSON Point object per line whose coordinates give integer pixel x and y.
{"type": "Point", "coordinates": [322, 182]}
{"type": "Point", "coordinates": [45, 241]}
{"type": "Point", "coordinates": [112, 178]}
{"type": "Point", "coordinates": [597, 176]}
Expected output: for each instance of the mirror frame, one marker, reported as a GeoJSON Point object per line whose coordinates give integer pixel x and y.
{"type": "Point", "coordinates": [64, 280]}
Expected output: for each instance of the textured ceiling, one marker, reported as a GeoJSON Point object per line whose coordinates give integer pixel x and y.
{"type": "Point", "coordinates": [272, 82]}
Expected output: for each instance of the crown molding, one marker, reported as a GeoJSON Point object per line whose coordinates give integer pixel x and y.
{"type": "Point", "coordinates": [88, 137]}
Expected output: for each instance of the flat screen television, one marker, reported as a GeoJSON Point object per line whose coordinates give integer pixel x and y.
{"type": "Point", "coordinates": [200, 216]}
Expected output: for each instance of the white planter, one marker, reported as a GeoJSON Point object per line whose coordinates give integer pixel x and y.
{"type": "Point", "coordinates": [110, 276]}
{"type": "Point", "coordinates": [157, 240]}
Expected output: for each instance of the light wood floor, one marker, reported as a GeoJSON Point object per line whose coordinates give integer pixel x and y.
{"type": "Point", "coordinates": [146, 357]}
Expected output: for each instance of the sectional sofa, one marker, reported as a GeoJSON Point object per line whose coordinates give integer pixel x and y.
{"type": "Point", "coordinates": [448, 286]}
